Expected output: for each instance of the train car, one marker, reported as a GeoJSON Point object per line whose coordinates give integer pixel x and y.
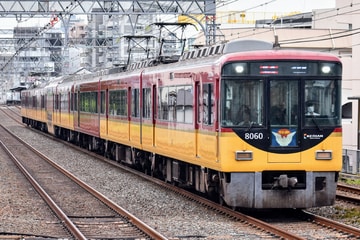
{"type": "Point", "coordinates": [60, 110]}
{"type": "Point", "coordinates": [33, 104]}
{"type": "Point", "coordinates": [13, 98]}
{"type": "Point", "coordinates": [249, 125]}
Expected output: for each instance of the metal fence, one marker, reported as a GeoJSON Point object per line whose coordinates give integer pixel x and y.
{"type": "Point", "coordinates": [351, 161]}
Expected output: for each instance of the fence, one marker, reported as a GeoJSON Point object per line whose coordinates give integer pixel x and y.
{"type": "Point", "coordinates": [351, 161]}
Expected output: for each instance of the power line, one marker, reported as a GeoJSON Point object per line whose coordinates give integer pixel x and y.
{"type": "Point", "coordinates": [320, 36]}
{"type": "Point", "coordinates": [321, 39]}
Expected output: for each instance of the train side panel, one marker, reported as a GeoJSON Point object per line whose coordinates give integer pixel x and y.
{"type": "Point", "coordinates": [87, 117]}
{"type": "Point", "coordinates": [62, 115]}
{"type": "Point", "coordinates": [32, 112]}
{"type": "Point", "coordinates": [208, 149]}
{"type": "Point", "coordinates": [118, 130]}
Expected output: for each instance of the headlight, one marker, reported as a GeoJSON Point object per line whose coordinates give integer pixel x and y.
{"type": "Point", "coordinates": [243, 155]}
{"type": "Point", "coordinates": [325, 69]}
{"type": "Point", "coordinates": [323, 155]}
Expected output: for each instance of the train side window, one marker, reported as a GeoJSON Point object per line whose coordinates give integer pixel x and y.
{"type": "Point", "coordinates": [114, 100]}
{"type": "Point", "coordinates": [184, 106]}
{"type": "Point", "coordinates": [88, 102]}
{"type": "Point", "coordinates": [135, 111]}
{"type": "Point", "coordinates": [82, 102]}
{"type": "Point", "coordinates": [163, 103]}
{"type": "Point", "coordinates": [147, 102]}
{"type": "Point", "coordinates": [172, 99]}
{"type": "Point", "coordinates": [118, 103]}
{"type": "Point", "coordinates": [64, 102]}
{"type": "Point", "coordinates": [42, 102]}
{"type": "Point", "coordinates": [71, 101]}
{"type": "Point", "coordinates": [34, 101]}
{"type": "Point", "coordinates": [61, 101]}
{"type": "Point", "coordinates": [75, 101]}
{"type": "Point", "coordinates": [93, 102]}
{"type": "Point", "coordinates": [208, 104]}
{"type": "Point", "coordinates": [102, 102]}
{"type": "Point", "coordinates": [123, 107]}
{"type": "Point", "coordinates": [57, 105]}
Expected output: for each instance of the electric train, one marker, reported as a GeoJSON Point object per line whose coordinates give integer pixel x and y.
{"type": "Point", "coordinates": [245, 123]}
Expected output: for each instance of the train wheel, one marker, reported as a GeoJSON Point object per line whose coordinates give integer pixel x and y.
{"type": "Point", "coordinates": [221, 201]}
{"type": "Point", "coordinates": [213, 194]}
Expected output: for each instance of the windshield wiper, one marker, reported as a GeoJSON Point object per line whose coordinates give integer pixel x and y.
{"type": "Point", "coordinates": [250, 126]}
{"type": "Point", "coordinates": [316, 124]}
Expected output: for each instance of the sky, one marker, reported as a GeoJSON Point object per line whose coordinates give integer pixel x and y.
{"type": "Point", "coordinates": [272, 7]}
{"type": "Point", "coordinates": [277, 5]}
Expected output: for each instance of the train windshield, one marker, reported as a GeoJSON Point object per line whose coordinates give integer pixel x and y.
{"type": "Point", "coordinates": [243, 103]}
{"type": "Point", "coordinates": [318, 100]}
{"type": "Point", "coordinates": [283, 102]}
{"type": "Point", "coordinates": [321, 106]}
{"type": "Point", "coordinates": [281, 95]}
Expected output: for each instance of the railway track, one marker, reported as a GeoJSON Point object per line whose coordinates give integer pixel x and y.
{"type": "Point", "coordinates": [13, 112]}
{"type": "Point", "coordinates": [310, 222]}
{"type": "Point", "coordinates": [85, 213]}
{"type": "Point", "coordinates": [307, 225]}
{"type": "Point", "coordinates": [304, 225]}
{"type": "Point", "coordinates": [305, 221]}
{"type": "Point", "coordinates": [348, 193]}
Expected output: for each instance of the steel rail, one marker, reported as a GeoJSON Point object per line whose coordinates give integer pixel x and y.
{"type": "Point", "coordinates": [133, 219]}
{"type": "Point", "coordinates": [332, 224]}
{"type": "Point", "coordinates": [54, 207]}
{"type": "Point", "coordinates": [347, 188]}
{"type": "Point", "coordinates": [200, 200]}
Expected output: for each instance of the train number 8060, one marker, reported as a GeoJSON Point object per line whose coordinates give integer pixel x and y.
{"type": "Point", "coordinates": [254, 136]}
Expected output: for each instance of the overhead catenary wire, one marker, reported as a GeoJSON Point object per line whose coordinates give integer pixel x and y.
{"type": "Point", "coordinates": [222, 4]}
{"type": "Point", "coordinates": [343, 11]}
{"type": "Point", "coordinates": [49, 25]}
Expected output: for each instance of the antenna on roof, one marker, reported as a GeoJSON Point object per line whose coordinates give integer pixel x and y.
{"type": "Point", "coordinates": [171, 46]}
{"type": "Point", "coordinates": [137, 45]}
{"type": "Point", "coordinates": [276, 43]}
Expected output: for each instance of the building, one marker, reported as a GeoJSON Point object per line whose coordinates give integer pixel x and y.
{"type": "Point", "coordinates": [334, 31]}
{"type": "Point", "coordinates": [37, 55]}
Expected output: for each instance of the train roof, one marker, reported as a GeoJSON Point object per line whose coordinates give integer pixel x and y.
{"type": "Point", "coordinates": [259, 50]}
{"type": "Point", "coordinates": [285, 54]}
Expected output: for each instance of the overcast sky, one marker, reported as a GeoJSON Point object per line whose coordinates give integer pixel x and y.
{"type": "Point", "coordinates": [259, 6]}
{"type": "Point", "coordinates": [276, 5]}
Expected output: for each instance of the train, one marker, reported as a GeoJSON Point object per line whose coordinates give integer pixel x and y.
{"type": "Point", "coordinates": [13, 98]}
{"type": "Point", "coordinates": [246, 123]}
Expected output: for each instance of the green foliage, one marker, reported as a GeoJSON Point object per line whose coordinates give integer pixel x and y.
{"type": "Point", "coordinates": [352, 181]}
{"type": "Point", "coordinates": [352, 214]}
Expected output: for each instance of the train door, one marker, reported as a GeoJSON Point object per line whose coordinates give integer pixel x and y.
{"type": "Point", "coordinates": [99, 105]}
{"type": "Point", "coordinates": [196, 116]}
{"type": "Point", "coordinates": [68, 106]}
{"type": "Point", "coordinates": [49, 109]}
{"type": "Point", "coordinates": [207, 134]}
{"type": "Point", "coordinates": [153, 115]}
{"type": "Point", "coordinates": [56, 106]}
{"type": "Point", "coordinates": [283, 118]}
{"type": "Point", "coordinates": [134, 118]}
{"type": "Point", "coordinates": [106, 101]}
{"type": "Point", "coordinates": [72, 104]}
{"type": "Point", "coordinates": [76, 108]}
{"type": "Point", "coordinates": [146, 117]}
{"type": "Point", "coordinates": [129, 119]}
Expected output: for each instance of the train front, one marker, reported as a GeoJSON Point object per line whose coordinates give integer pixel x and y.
{"type": "Point", "coordinates": [281, 136]}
